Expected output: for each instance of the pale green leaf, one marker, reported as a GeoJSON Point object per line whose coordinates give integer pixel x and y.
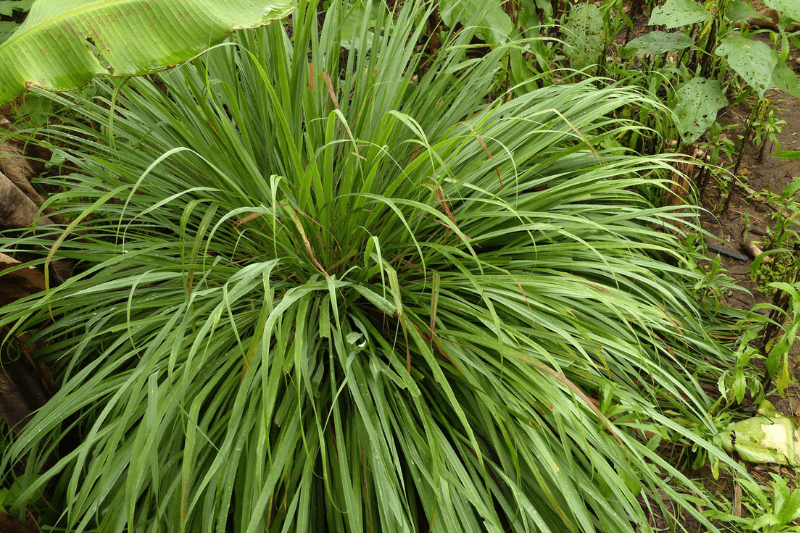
{"type": "Point", "coordinates": [583, 35]}
{"type": "Point", "coordinates": [657, 42]}
{"type": "Point", "coordinates": [790, 8]}
{"type": "Point", "coordinates": [785, 79]}
{"type": "Point", "coordinates": [351, 30]}
{"type": "Point", "coordinates": [739, 11]}
{"type": "Point", "coordinates": [699, 100]}
{"type": "Point", "coordinates": [784, 378]}
{"type": "Point", "coordinates": [63, 43]}
{"type": "Point", "coordinates": [676, 13]}
{"type": "Point", "coordinates": [754, 61]}
{"type": "Point", "coordinates": [491, 23]}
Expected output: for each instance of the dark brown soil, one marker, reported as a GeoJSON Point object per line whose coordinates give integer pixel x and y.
{"type": "Point", "coordinates": [747, 212]}
{"type": "Point", "coordinates": [771, 174]}
{"type": "Point", "coordinates": [747, 219]}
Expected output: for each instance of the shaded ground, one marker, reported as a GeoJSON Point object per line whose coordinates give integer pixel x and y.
{"type": "Point", "coordinates": [746, 211]}
{"type": "Point", "coordinates": [747, 220]}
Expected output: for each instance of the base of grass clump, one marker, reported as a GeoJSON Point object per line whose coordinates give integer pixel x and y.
{"type": "Point", "coordinates": [366, 302]}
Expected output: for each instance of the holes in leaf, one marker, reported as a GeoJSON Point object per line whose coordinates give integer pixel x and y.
{"type": "Point", "coordinates": [95, 50]}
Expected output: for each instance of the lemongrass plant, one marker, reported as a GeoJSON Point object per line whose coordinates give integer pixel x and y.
{"type": "Point", "coordinates": [326, 291]}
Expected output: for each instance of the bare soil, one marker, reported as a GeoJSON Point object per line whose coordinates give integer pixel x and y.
{"type": "Point", "coordinates": [746, 219]}
{"type": "Point", "coordinates": [771, 174]}
{"type": "Point", "coordinates": [748, 216]}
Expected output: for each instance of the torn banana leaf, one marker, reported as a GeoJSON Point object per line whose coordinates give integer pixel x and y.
{"type": "Point", "coordinates": [64, 43]}
{"type": "Point", "coordinates": [768, 437]}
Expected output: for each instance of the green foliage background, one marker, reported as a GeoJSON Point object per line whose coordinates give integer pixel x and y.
{"type": "Point", "coordinates": [326, 282]}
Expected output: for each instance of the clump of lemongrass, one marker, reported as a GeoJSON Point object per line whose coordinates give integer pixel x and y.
{"type": "Point", "coordinates": [329, 294]}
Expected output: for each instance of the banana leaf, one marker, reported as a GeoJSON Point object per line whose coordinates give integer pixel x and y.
{"type": "Point", "coordinates": [64, 43]}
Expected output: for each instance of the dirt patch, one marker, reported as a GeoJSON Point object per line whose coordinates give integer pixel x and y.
{"type": "Point", "coordinates": [747, 220]}
{"type": "Point", "coordinates": [747, 215]}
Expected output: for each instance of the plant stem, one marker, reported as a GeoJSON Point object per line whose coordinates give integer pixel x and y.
{"type": "Point", "coordinates": [747, 132]}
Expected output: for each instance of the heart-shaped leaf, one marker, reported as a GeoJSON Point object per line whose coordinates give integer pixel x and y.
{"type": "Point", "coordinates": [790, 8]}
{"type": "Point", "coordinates": [583, 35]}
{"type": "Point", "coordinates": [676, 13]}
{"type": "Point", "coordinates": [785, 79]}
{"type": "Point", "coordinates": [657, 42]}
{"type": "Point", "coordinates": [754, 61]}
{"type": "Point", "coordinates": [699, 100]}
{"type": "Point", "coordinates": [492, 24]}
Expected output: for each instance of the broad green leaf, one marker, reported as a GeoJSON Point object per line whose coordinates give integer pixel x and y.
{"type": "Point", "coordinates": [768, 437]}
{"type": "Point", "coordinates": [352, 24]}
{"type": "Point", "coordinates": [740, 11]}
{"type": "Point", "coordinates": [7, 7]}
{"type": "Point", "coordinates": [657, 42]}
{"type": "Point", "coordinates": [754, 61]}
{"type": "Point", "coordinates": [6, 29]}
{"type": "Point", "coordinates": [785, 79]}
{"type": "Point", "coordinates": [776, 362]}
{"type": "Point", "coordinates": [583, 35]}
{"type": "Point", "coordinates": [64, 43]}
{"type": "Point", "coordinates": [765, 521]}
{"type": "Point", "coordinates": [676, 13]}
{"type": "Point", "coordinates": [790, 8]}
{"type": "Point", "coordinates": [784, 377]}
{"type": "Point", "coordinates": [699, 100]}
{"type": "Point", "coordinates": [546, 6]}
{"type": "Point", "coordinates": [37, 109]}
{"type": "Point", "coordinates": [492, 24]}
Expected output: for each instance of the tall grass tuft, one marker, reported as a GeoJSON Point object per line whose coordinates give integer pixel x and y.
{"type": "Point", "coordinates": [328, 291]}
